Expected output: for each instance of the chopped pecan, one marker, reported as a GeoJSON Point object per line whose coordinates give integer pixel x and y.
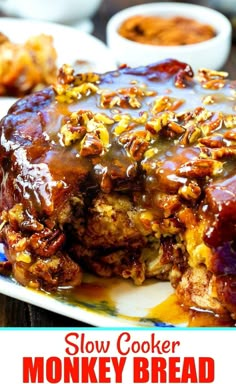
{"type": "Point", "coordinates": [230, 121]}
{"type": "Point", "coordinates": [213, 124]}
{"type": "Point", "coordinates": [201, 120]}
{"type": "Point", "coordinates": [167, 204]}
{"type": "Point", "coordinates": [69, 93]}
{"type": "Point", "coordinates": [137, 148]}
{"type": "Point", "coordinates": [100, 130]}
{"type": "Point", "coordinates": [146, 218]}
{"type": "Point", "coordinates": [175, 127]}
{"type": "Point", "coordinates": [103, 118]}
{"type": "Point", "coordinates": [91, 145]}
{"type": "Point", "coordinates": [191, 135]}
{"type": "Point", "coordinates": [66, 74]}
{"type": "Point", "coordinates": [132, 95]}
{"type": "Point", "coordinates": [31, 225]}
{"type": "Point", "coordinates": [124, 97]}
{"type": "Point", "coordinates": [166, 103]}
{"type": "Point", "coordinates": [191, 191]}
{"type": "Point", "coordinates": [209, 99]}
{"type": "Point", "coordinates": [214, 141]}
{"type": "Point", "coordinates": [230, 135]}
{"type": "Point", "coordinates": [106, 183]}
{"type": "Point", "coordinates": [124, 121]}
{"type": "Point", "coordinates": [187, 217]}
{"type": "Point", "coordinates": [89, 77]}
{"type": "Point", "coordinates": [141, 119]}
{"type": "Point", "coordinates": [109, 99]}
{"type": "Point", "coordinates": [16, 215]}
{"type": "Point", "coordinates": [78, 123]}
{"type": "Point", "coordinates": [71, 134]}
{"type": "Point", "coordinates": [136, 144]}
{"type": "Point", "coordinates": [156, 123]}
{"type": "Point", "coordinates": [201, 114]}
{"type": "Point", "coordinates": [183, 76]}
{"type": "Point", "coordinates": [214, 84]}
{"type": "Point", "coordinates": [223, 152]}
{"type": "Point", "coordinates": [200, 168]}
{"type": "Point", "coordinates": [170, 226]}
{"type": "Point", "coordinates": [18, 219]}
{"type": "Point", "coordinates": [211, 79]}
{"type": "Point", "coordinates": [46, 243]}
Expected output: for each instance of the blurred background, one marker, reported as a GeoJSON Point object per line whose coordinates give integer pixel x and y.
{"type": "Point", "coordinates": [92, 15]}
{"type": "Point", "coordinates": [109, 7]}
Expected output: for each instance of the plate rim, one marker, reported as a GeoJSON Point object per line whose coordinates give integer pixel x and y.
{"type": "Point", "coordinates": [43, 300]}
{"type": "Point", "coordinates": [56, 27]}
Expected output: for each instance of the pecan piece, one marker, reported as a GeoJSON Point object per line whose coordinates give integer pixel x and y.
{"type": "Point", "coordinates": [215, 141]}
{"type": "Point", "coordinates": [230, 121]}
{"type": "Point", "coordinates": [200, 168]}
{"type": "Point", "coordinates": [230, 135]}
{"type": "Point", "coordinates": [223, 152]}
{"type": "Point", "coordinates": [65, 74]}
{"type": "Point", "coordinates": [138, 148]}
{"type": "Point", "coordinates": [175, 128]}
{"type": "Point", "coordinates": [170, 226]}
{"type": "Point", "coordinates": [189, 192]}
{"type": "Point", "coordinates": [46, 243]}
{"type": "Point", "coordinates": [201, 114]}
{"type": "Point", "coordinates": [71, 134]}
{"type": "Point", "coordinates": [136, 144]}
{"type": "Point", "coordinates": [211, 79]}
{"type": "Point", "coordinates": [215, 123]}
{"type": "Point", "coordinates": [166, 103]}
{"type": "Point", "coordinates": [167, 204]}
{"type": "Point", "coordinates": [91, 145]}
{"type": "Point", "coordinates": [191, 135]}
{"type": "Point", "coordinates": [106, 183]}
{"type": "Point", "coordinates": [183, 76]}
{"type": "Point", "coordinates": [124, 97]}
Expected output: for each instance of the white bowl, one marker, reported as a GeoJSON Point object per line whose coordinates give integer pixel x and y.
{"type": "Point", "coordinates": [59, 11]}
{"type": "Point", "coordinates": [71, 45]}
{"type": "Point", "coordinates": [212, 53]}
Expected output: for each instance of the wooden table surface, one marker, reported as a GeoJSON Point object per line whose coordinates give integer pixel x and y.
{"type": "Point", "coordinates": [14, 313]}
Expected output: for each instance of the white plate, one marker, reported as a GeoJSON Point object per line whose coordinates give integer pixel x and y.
{"type": "Point", "coordinates": [70, 43]}
{"type": "Point", "coordinates": [99, 302]}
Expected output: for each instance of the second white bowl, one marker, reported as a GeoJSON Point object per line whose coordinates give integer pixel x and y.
{"type": "Point", "coordinates": [212, 53]}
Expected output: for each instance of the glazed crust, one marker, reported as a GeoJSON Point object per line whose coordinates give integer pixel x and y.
{"type": "Point", "coordinates": [128, 173]}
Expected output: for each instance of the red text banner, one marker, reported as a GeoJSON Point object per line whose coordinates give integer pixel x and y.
{"type": "Point", "coordinates": [129, 356]}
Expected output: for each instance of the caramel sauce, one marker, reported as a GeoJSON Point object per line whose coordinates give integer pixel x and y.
{"type": "Point", "coordinates": [94, 294]}
{"type": "Point", "coordinates": [172, 312]}
{"type": "Point", "coordinates": [156, 30]}
{"type": "Point", "coordinates": [90, 292]}
{"type": "Point", "coordinates": [39, 171]}
{"type": "Point", "coordinates": [38, 120]}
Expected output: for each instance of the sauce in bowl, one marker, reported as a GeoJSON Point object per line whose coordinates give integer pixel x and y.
{"type": "Point", "coordinates": [173, 31]}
